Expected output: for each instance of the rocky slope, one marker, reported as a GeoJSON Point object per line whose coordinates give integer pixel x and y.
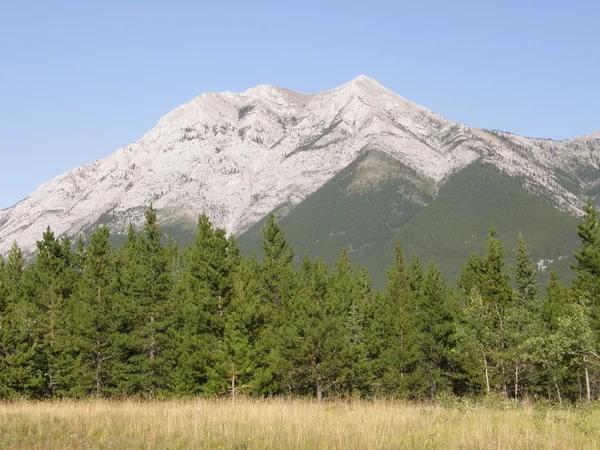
{"type": "Point", "coordinates": [239, 156]}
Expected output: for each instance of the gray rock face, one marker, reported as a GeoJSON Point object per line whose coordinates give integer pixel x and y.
{"type": "Point", "coordinates": [239, 156]}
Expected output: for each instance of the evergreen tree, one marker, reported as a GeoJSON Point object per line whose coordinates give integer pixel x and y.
{"type": "Point", "coordinates": [497, 293]}
{"type": "Point", "coordinates": [587, 268]}
{"type": "Point", "coordinates": [95, 318]}
{"type": "Point", "coordinates": [470, 275]}
{"type": "Point", "coordinates": [391, 343]}
{"type": "Point", "coordinates": [278, 265]}
{"type": "Point", "coordinates": [525, 276]}
{"type": "Point", "coordinates": [50, 283]}
{"type": "Point", "coordinates": [277, 289]}
{"type": "Point", "coordinates": [243, 330]}
{"type": "Point", "coordinates": [146, 354]}
{"type": "Point", "coordinates": [523, 318]}
{"type": "Point", "coordinates": [306, 340]}
{"type": "Point", "coordinates": [586, 286]}
{"type": "Point", "coordinates": [414, 275]}
{"type": "Point", "coordinates": [3, 289]}
{"type": "Point", "coordinates": [207, 282]}
{"type": "Point", "coordinates": [18, 332]}
{"type": "Point", "coordinates": [435, 319]}
{"type": "Point", "coordinates": [555, 301]}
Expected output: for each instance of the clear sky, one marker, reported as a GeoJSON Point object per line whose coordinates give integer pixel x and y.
{"type": "Point", "coordinates": [79, 79]}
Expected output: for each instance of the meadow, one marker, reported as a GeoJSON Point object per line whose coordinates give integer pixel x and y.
{"type": "Point", "coordinates": [294, 424]}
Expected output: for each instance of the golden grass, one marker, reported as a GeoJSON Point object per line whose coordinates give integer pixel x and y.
{"type": "Point", "coordinates": [292, 424]}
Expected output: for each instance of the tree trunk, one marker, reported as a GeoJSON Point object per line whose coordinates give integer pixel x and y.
{"type": "Point", "coordinates": [233, 384]}
{"type": "Point", "coordinates": [487, 377]}
{"type": "Point", "coordinates": [319, 392]}
{"type": "Point", "coordinates": [98, 362]}
{"type": "Point", "coordinates": [558, 393]}
{"type": "Point", "coordinates": [516, 383]}
{"type": "Point", "coordinates": [587, 384]}
{"type": "Point", "coordinates": [152, 339]}
{"type": "Point", "coordinates": [502, 346]}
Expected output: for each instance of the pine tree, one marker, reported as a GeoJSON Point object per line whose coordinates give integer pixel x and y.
{"type": "Point", "coordinates": [554, 302]}
{"type": "Point", "coordinates": [278, 265]}
{"type": "Point", "coordinates": [304, 345]}
{"type": "Point", "coordinates": [586, 286]}
{"type": "Point", "coordinates": [50, 282]}
{"type": "Point", "coordinates": [95, 317]}
{"type": "Point", "coordinates": [470, 275]}
{"type": "Point", "coordinates": [414, 275]}
{"type": "Point", "coordinates": [243, 329]}
{"type": "Point", "coordinates": [3, 289]}
{"type": "Point", "coordinates": [525, 276]}
{"type": "Point", "coordinates": [390, 330]}
{"type": "Point", "coordinates": [497, 293]}
{"type": "Point", "coordinates": [277, 292]}
{"type": "Point", "coordinates": [522, 316]}
{"type": "Point", "coordinates": [587, 269]}
{"type": "Point", "coordinates": [321, 344]}
{"type": "Point", "coordinates": [207, 282]}
{"type": "Point", "coordinates": [18, 376]}
{"type": "Point", "coordinates": [434, 322]}
{"type": "Point", "coordinates": [146, 354]}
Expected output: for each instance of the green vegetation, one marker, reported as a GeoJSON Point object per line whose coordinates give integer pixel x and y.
{"type": "Point", "coordinates": [367, 215]}
{"type": "Point", "coordinates": [150, 321]}
{"type": "Point", "coordinates": [456, 222]}
{"type": "Point", "coordinates": [245, 110]}
{"type": "Point", "coordinates": [353, 211]}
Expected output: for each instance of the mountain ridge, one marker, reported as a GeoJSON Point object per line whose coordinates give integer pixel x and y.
{"type": "Point", "coordinates": [239, 156]}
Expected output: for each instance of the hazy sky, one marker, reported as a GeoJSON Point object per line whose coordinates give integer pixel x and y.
{"type": "Point", "coordinates": [79, 79]}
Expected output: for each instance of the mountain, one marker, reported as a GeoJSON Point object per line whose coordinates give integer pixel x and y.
{"type": "Point", "coordinates": [447, 228]}
{"type": "Point", "coordinates": [359, 154]}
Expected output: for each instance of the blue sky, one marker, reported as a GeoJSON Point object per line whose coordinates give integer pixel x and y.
{"type": "Point", "coordinates": [80, 79]}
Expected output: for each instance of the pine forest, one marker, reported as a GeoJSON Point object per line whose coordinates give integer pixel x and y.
{"type": "Point", "coordinates": [146, 320]}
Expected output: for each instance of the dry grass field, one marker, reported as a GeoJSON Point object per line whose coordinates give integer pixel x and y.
{"type": "Point", "coordinates": [293, 424]}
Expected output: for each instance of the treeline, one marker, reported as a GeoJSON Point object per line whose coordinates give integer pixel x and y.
{"type": "Point", "coordinates": [148, 320]}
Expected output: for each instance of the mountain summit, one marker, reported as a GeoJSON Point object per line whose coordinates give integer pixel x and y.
{"type": "Point", "coordinates": [239, 156]}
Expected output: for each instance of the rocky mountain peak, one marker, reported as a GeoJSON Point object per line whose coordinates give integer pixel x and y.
{"type": "Point", "coordinates": [238, 156]}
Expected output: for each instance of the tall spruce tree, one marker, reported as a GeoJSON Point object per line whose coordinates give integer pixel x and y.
{"type": "Point", "coordinates": [497, 293]}
{"type": "Point", "coordinates": [339, 362]}
{"type": "Point", "coordinates": [391, 332]}
{"type": "Point", "coordinates": [95, 318]}
{"type": "Point", "coordinates": [555, 301]}
{"type": "Point", "coordinates": [435, 318]}
{"type": "Point", "coordinates": [587, 268]}
{"type": "Point", "coordinates": [277, 292]}
{"type": "Point", "coordinates": [243, 330]}
{"type": "Point", "coordinates": [470, 275]}
{"type": "Point", "coordinates": [146, 354]}
{"type": "Point", "coordinates": [305, 344]}
{"type": "Point", "coordinates": [523, 318]}
{"type": "Point", "coordinates": [18, 333]}
{"type": "Point", "coordinates": [207, 282]}
{"type": "Point", "coordinates": [50, 282]}
{"type": "Point", "coordinates": [586, 286]}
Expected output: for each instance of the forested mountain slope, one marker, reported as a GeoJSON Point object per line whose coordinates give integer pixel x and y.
{"type": "Point", "coordinates": [239, 156]}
